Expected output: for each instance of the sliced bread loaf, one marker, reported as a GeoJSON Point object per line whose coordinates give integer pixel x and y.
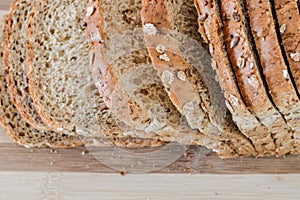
{"type": "Point", "coordinates": [124, 75]}
{"type": "Point", "coordinates": [251, 80]}
{"type": "Point", "coordinates": [16, 127]}
{"type": "Point", "coordinates": [275, 69]}
{"type": "Point", "coordinates": [187, 74]}
{"type": "Point", "coordinates": [15, 61]}
{"type": "Point", "coordinates": [60, 79]}
{"type": "Point", "coordinates": [247, 121]}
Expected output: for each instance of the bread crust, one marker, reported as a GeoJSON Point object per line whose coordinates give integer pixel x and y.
{"type": "Point", "coordinates": [288, 17]}
{"type": "Point", "coordinates": [276, 71]}
{"type": "Point", "coordinates": [243, 115]}
{"type": "Point", "coordinates": [16, 72]}
{"type": "Point", "coordinates": [108, 84]}
{"type": "Point", "coordinates": [188, 85]}
{"type": "Point", "coordinates": [16, 127]}
{"type": "Point", "coordinates": [107, 126]}
{"type": "Point", "coordinates": [250, 80]}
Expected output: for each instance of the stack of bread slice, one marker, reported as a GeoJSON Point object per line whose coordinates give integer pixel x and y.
{"type": "Point", "coordinates": [222, 74]}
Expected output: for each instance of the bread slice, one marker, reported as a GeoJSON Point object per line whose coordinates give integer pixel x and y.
{"type": "Point", "coordinates": [188, 67]}
{"type": "Point", "coordinates": [15, 61]}
{"type": "Point", "coordinates": [287, 14]}
{"type": "Point", "coordinates": [251, 80]}
{"type": "Point", "coordinates": [60, 82]}
{"type": "Point", "coordinates": [276, 71]}
{"type": "Point", "coordinates": [60, 79]}
{"type": "Point", "coordinates": [248, 123]}
{"type": "Point", "coordinates": [124, 74]}
{"type": "Point", "coordinates": [17, 128]}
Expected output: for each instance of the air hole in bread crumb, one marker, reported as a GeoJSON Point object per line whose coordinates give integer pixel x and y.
{"type": "Point", "coordinates": [21, 134]}
{"type": "Point", "coordinates": [19, 92]}
{"type": "Point", "coordinates": [73, 58]}
{"type": "Point", "coordinates": [52, 31]}
{"type": "Point", "coordinates": [47, 65]}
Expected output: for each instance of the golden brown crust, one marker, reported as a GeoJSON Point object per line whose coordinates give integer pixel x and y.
{"type": "Point", "coordinates": [127, 110]}
{"type": "Point", "coordinates": [187, 84]}
{"type": "Point", "coordinates": [288, 16]}
{"type": "Point", "coordinates": [94, 27]}
{"type": "Point", "coordinates": [243, 117]}
{"type": "Point", "coordinates": [180, 91]}
{"type": "Point", "coordinates": [242, 60]}
{"type": "Point", "coordinates": [271, 59]}
{"type": "Point", "coordinates": [276, 72]}
{"type": "Point", "coordinates": [247, 69]}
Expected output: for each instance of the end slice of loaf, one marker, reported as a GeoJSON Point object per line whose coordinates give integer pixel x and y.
{"type": "Point", "coordinates": [125, 76]}
{"type": "Point", "coordinates": [15, 61]}
{"type": "Point", "coordinates": [186, 74]}
{"type": "Point", "coordinates": [17, 128]}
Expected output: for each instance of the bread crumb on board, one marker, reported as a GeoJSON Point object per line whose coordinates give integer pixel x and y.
{"type": "Point", "coordinates": [122, 173]}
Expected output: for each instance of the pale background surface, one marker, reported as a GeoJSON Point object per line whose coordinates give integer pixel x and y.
{"type": "Point", "coordinates": [42, 174]}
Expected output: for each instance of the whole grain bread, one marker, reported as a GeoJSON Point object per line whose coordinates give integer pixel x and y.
{"type": "Point", "coordinates": [124, 75]}
{"type": "Point", "coordinates": [249, 123]}
{"type": "Point", "coordinates": [274, 67]}
{"type": "Point", "coordinates": [186, 74]}
{"type": "Point", "coordinates": [15, 61]}
{"type": "Point", "coordinates": [59, 76]}
{"type": "Point", "coordinates": [251, 80]}
{"type": "Point", "coordinates": [60, 79]}
{"type": "Point", "coordinates": [16, 127]}
{"type": "Point", "coordinates": [287, 14]}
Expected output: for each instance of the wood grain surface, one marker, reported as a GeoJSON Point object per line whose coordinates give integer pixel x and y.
{"type": "Point", "coordinates": [72, 174]}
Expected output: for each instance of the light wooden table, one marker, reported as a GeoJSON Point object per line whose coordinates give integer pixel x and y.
{"type": "Point", "coordinates": [67, 174]}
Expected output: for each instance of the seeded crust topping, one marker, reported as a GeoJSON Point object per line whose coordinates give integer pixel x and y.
{"type": "Point", "coordinates": [165, 57]}
{"type": "Point", "coordinates": [150, 29]}
{"type": "Point", "coordinates": [282, 28]}
{"type": "Point", "coordinates": [90, 11]}
{"type": "Point", "coordinates": [160, 48]}
{"type": "Point", "coordinates": [295, 56]}
{"type": "Point", "coordinates": [181, 75]}
{"type": "Point", "coordinates": [167, 77]}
